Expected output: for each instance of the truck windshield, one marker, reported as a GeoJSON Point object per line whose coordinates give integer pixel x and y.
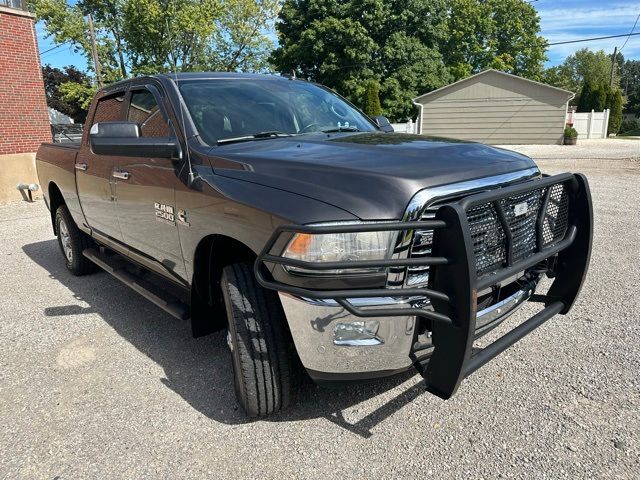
{"type": "Point", "coordinates": [248, 109]}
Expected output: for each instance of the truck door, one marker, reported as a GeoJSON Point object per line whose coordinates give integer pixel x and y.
{"type": "Point", "coordinates": [145, 190]}
{"type": "Point", "coordinates": [93, 173]}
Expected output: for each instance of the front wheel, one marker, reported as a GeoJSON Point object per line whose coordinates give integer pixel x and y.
{"type": "Point", "coordinates": [258, 340]}
{"type": "Point", "coordinates": [72, 243]}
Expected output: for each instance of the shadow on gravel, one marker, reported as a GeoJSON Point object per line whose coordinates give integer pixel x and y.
{"type": "Point", "coordinates": [199, 369]}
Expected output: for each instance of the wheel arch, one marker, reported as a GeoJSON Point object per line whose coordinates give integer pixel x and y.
{"type": "Point", "coordinates": [55, 201]}
{"type": "Point", "coordinates": [212, 254]}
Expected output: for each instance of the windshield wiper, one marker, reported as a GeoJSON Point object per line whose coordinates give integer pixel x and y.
{"type": "Point", "coordinates": [255, 136]}
{"type": "Point", "coordinates": [341, 129]}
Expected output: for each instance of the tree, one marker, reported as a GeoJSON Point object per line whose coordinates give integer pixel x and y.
{"type": "Point", "coordinates": [150, 36]}
{"type": "Point", "coordinates": [615, 114]}
{"type": "Point", "coordinates": [584, 65]}
{"type": "Point", "coordinates": [409, 47]}
{"type": "Point", "coordinates": [409, 68]}
{"type": "Point", "coordinates": [66, 24]}
{"type": "Point", "coordinates": [56, 83]}
{"type": "Point", "coordinates": [468, 27]}
{"type": "Point", "coordinates": [107, 13]}
{"type": "Point", "coordinates": [586, 97]}
{"type": "Point", "coordinates": [500, 34]}
{"type": "Point", "coordinates": [630, 83]}
{"type": "Point", "coordinates": [240, 39]}
{"type": "Point", "coordinates": [595, 97]}
{"type": "Point", "coordinates": [78, 93]}
{"type": "Point", "coordinates": [347, 44]}
{"type": "Point", "coordinates": [600, 97]}
{"type": "Point", "coordinates": [372, 100]}
{"type": "Point", "coordinates": [334, 51]}
{"type": "Point", "coordinates": [165, 35]}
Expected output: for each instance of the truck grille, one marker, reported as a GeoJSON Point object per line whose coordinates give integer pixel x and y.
{"type": "Point", "coordinates": [489, 237]}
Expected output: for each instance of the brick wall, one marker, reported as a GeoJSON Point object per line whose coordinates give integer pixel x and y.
{"type": "Point", "coordinates": [24, 119]}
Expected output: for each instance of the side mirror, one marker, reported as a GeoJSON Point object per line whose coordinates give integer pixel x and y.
{"type": "Point", "coordinates": [383, 123]}
{"type": "Point", "coordinates": [123, 139]}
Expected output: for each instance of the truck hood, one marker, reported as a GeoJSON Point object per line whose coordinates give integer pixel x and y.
{"type": "Point", "coordinates": [371, 175]}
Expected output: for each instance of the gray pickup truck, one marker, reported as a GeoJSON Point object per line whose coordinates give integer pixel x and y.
{"type": "Point", "coordinates": [273, 208]}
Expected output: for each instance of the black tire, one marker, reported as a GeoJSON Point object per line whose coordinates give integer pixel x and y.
{"type": "Point", "coordinates": [72, 243]}
{"type": "Point", "coordinates": [259, 342]}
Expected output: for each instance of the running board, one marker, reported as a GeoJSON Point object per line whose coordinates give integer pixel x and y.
{"type": "Point", "coordinates": [116, 267]}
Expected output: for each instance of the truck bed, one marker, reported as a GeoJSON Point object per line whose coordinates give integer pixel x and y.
{"type": "Point", "coordinates": [55, 164]}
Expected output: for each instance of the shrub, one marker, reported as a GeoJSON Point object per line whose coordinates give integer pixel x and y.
{"type": "Point", "coordinates": [570, 132]}
{"type": "Point", "coordinates": [372, 99]}
{"type": "Point", "coordinates": [629, 127]}
{"type": "Point", "coordinates": [615, 115]}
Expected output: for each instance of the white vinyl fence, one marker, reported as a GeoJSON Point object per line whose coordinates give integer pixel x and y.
{"type": "Point", "coordinates": [591, 124]}
{"type": "Point", "coordinates": [58, 118]}
{"type": "Point", "coordinates": [408, 127]}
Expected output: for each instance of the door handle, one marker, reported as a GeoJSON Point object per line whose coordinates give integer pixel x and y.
{"type": "Point", "coordinates": [81, 166]}
{"type": "Point", "coordinates": [121, 175]}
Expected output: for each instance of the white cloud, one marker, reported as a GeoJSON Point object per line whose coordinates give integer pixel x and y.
{"type": "Point", "coordinates": [561, 20]}
{"type": "Point", "coordinates": [582, 19]}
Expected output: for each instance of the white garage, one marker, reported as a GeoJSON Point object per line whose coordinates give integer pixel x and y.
{"type": "Point", "coordinates": [497, 108]}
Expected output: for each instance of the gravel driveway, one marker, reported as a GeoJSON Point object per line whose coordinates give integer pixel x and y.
{"type": "Point", "coordinates": [602, 149]}
{"type": "Point", "coordinates": [95, 382]}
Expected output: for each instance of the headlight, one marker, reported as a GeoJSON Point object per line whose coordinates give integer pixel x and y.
{"type": "Point", "coordinates": [339, 247]}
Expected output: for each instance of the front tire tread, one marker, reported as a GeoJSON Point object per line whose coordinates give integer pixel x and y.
{"type": "Point", "coordinates": [261, 355]}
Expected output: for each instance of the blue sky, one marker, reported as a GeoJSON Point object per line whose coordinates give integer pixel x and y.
{"type": "Point", "coordinates": [560, 20]}
{"type": "Point", "coordinates": [563, 20]}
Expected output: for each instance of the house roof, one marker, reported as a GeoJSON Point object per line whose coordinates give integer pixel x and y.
{"type": "Point", "coordinates": [470, 79]}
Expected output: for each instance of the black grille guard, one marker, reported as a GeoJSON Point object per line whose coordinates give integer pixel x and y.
{"type": "Point", "coordinates": [453, 283]}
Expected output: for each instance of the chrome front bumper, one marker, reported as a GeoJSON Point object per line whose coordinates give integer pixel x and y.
{"type": "Point", "coordinates": [313, 325]}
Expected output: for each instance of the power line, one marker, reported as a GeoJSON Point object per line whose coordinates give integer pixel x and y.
{"type": "Point", "coordinates": [51, 54]}
{"type": "Point", "coordinates": [53, 48]}
{"type": "Point", "coordinates": [594, 38]}
{"type": "Point", "coordinates": [631, 32]}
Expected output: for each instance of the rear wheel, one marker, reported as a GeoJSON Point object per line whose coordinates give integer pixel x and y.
{"type": "Point", "coordinates": [72, 243]}
{"type": "Point", "coordinates": [258, 340]}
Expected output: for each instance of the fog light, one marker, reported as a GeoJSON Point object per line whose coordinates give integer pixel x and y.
{"type": "Point", "coordinates": [357, 333]}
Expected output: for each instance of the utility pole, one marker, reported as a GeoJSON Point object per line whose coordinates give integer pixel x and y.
{"type": "Point", "coordinates": [94, 51]}
{"type": "Point", "coordinates": [613, 65]}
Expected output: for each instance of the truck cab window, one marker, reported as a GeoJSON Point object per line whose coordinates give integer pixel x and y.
{"type": "Point", "coordinates": [144, 110]}
{"type": "Point", "coordinates": [224, 109]}
{"type": "Point", "coordinates": [109, 109]}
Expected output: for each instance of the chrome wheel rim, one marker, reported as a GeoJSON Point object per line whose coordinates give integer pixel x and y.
{"type": "Point", "coordinates": [65, 240]}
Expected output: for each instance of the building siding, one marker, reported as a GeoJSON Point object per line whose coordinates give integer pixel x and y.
{"type": "Point", "coordinates": [496, 108]}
